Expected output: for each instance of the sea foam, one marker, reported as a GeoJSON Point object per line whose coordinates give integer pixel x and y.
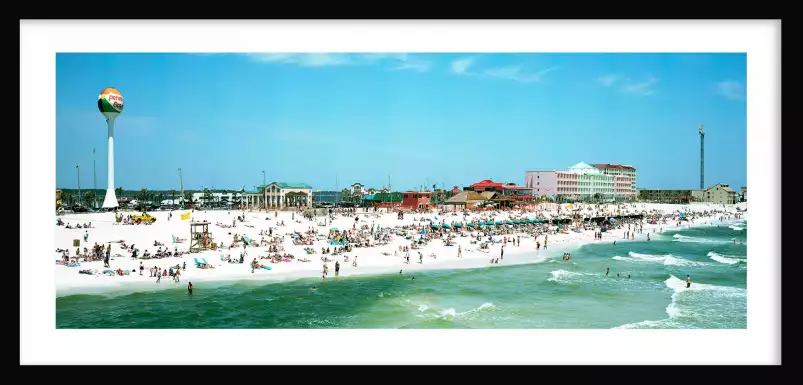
{"type": "Point", "coordinates": [730, 260]}
{"type": "Point", "coordinates": [684, 238]}
{"type": "Point", "coordinates": [668, 259]}
{"type": "Point", "coordinates": [674, 310]}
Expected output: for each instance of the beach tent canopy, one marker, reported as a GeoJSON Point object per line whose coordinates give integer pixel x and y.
{"type": "Point", "coordinates": [489, 194]}
{"type": "Point", "coordinates": [459, 199]}
{"type": "Point", "coordinates": [465, 197]}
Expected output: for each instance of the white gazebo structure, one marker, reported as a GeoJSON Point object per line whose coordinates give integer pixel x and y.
{"type": "Point", "coordinates": [279, 195]}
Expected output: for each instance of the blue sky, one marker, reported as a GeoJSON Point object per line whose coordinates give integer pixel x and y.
{"type": "Point", "coordinates": [421, 118]}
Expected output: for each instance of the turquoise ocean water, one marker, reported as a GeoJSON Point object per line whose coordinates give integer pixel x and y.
{"type": "Point", "coordinates": [553, 294]}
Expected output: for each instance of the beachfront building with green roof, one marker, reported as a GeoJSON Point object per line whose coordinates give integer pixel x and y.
{"type": "Point", "coordinates": [278, 195]}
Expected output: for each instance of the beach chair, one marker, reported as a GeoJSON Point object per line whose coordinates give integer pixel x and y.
{"type": "Point", "coordinates": [197, 263]}
{"type": "Point", "coordinates": [205, 262]}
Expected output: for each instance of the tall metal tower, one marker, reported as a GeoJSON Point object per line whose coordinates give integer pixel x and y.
{"type": "Point", "coordinates": [702, 158]}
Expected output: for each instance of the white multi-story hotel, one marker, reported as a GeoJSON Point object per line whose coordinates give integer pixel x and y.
{"type": "Point", "coordinates": [578, 182]}
{"type": "Point", "coordinates": [618, 169]}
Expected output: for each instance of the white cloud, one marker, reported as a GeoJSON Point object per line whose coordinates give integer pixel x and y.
{"type": "Point", "coordinates": [731, 89]}
{"type": "Point", "coordinates": [461, 66]}
{"type": "Point", "coordinates": [403, 61]}
{"type": "Point", "coordinates": [516, 74]}
{"type": "Point", "coordinates": [640, 88]}
{"type": "Point", "coordinates": [628, 85]}
{"type": "Point", "coordinates": [608, 80]}
{"type": "Point", "coordinates": [409, 62]}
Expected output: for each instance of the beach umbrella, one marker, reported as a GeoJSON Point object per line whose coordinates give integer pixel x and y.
{"type": "Point", "coordinates": [500, 223]}
{"type": "Point", "coordinates": [509, 222]}
{"type": "Point", "coordinates": [470, 225]}
{"type": "Point", "coordinates": [434, 226]}
{"type": "Point", "coordinates": [517, 222]}
{"type": "Point", "coordinates": [445, 226]}
{"type": "Point", "coordinates": [458, 225]}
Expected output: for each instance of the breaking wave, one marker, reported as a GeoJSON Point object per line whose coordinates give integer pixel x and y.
{"type": "Point", "coordinates": [677, 311]}
{"type": "Point", "coordinates": [684, 238]}
{"type": "Point", "coordinates": [668, 259]}
{"type": "Point", "coordinates": [451, 313]}
{"type": "Point", "coordinates": [729, 259]}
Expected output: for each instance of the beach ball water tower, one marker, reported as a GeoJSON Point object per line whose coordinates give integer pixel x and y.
{"type": "Point", "coordinates": [110, 104]}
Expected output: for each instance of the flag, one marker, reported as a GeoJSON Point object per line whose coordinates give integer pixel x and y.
{"type": "Point", "coordinates": [185, 216]}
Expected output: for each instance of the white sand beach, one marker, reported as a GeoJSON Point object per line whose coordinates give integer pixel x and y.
{"type": "Point", "coordinates": [376, 259]}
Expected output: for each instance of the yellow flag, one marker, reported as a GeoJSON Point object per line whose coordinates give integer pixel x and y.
{"type": "Point", "coordinates": [185, 216]}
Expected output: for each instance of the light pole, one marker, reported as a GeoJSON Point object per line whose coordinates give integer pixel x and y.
{"type": "Point", "coordinates": [390, 194]}
{"type": "Point", "coordinates": [78, 173]}
{"type": "Point", "coordinates": [181, 186]}
{"type": "Point", "coordinates": [263, 177]}
{"type": "Point", "coordinates": [94, 179]}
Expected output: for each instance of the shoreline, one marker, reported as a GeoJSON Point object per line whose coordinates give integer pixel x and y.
{"type": "Point", "coordinates": [371, 261]}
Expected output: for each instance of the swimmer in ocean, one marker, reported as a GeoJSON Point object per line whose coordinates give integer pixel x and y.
{"type": "Point", "coordinates": [412, 278]}
{"type": "Point", "coordinates": [607, 271]}
{"type": "Point", "coordinates": [189, 288]}
{"type": "Point", "coordinates": [314, 288]}
{"type": "Point", "coordinates": [688, 281]}
{"type": "Point", "coordinates": [400, 272]}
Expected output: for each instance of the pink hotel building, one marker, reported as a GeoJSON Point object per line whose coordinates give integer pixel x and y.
{"type": "Point", "coordinates": [583, 180]}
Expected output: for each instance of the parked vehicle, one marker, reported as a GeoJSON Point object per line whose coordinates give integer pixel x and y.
{"type": "Point", "coordinates": [145, 217]}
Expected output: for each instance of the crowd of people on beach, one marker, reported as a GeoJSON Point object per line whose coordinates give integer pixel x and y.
{"type": "Point", "coordinates": [480, 230]}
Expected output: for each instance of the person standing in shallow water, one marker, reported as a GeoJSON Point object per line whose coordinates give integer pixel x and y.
{"type": "Point", "coordinates": [688, 281]}
{"type": "Point", "coordinates": [189, 288]}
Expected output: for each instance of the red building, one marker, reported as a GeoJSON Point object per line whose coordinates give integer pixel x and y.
{"type": "Point", "coordinates": [416, 200]}
{"type": "Point", "coordinates": [507, 190]}
{"type": "Point", "coordinates": [486, 185]}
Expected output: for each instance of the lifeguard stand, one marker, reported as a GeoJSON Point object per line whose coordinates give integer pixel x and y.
{"type": "Point", "coordinates": [200, 238]}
